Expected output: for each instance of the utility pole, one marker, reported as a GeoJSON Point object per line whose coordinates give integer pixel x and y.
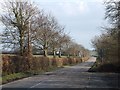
{"type": "Point", "coordinates": [29, 48]}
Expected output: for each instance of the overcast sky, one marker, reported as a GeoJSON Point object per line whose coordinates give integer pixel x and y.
{"type": "Point", "coordinates": [82, 18]}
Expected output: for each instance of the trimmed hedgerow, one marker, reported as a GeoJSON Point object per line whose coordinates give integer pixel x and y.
{"type": "Point", "coordinates": [16, 64]}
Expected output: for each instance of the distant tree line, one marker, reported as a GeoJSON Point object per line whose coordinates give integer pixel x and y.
{"type": "Point", "coordinates": [108, 43]}
{"type": "Point", "coordinates": [29, 30]}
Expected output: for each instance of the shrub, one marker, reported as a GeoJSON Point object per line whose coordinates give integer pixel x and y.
{"type": "Point", "coordinates": [16, 64]}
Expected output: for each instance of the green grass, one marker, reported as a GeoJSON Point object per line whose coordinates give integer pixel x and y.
{"type": "Point", "coordinates": [17, 76]}
{"type": "Point", "coordinates": [49, 56]}
{"type": "Point", "coordinates": [9, 54]}
{"type": "Point", "coordinates": [12, 77]}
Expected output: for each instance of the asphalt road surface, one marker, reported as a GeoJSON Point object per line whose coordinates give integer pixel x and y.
{"type": "Point", "coordinates": [69, 77]}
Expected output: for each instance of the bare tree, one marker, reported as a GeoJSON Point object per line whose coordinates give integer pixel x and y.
{"type": "Point", "coordinates": [47, 30]}
{"type": "Point", "coordinates": [75, 50]}
{"type": "Point", "coordinates": [16, 20]}
{"type": "Point", "coordinates": [62, 41]}
{"type": "Point", "coordinates": [113, 14]}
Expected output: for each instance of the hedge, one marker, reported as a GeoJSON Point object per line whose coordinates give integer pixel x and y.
{"type": "Point", "coordinates": [16, 64]}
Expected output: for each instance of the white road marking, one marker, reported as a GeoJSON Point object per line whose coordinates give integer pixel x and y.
{"type": "Point", "coordinates": [35, 85]}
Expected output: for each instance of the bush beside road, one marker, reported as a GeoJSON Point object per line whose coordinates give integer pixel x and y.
{"type": "Point", "coordinates": [105, 67]}
{"type": "Point", "coordinates": [17, 67]}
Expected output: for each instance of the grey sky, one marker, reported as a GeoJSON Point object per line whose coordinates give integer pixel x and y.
{"type": "Point", "coordinates": [82, 18]}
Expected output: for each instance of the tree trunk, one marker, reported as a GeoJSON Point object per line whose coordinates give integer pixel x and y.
{"type": "Point", "coordinates": [21, 40]}
{"type": "Point", "coordinates": [29, 51]}
{"type": "Point", "coordinates": [45, 49]}
{"type": "Point", "coordinates": [21, 46]}
{"type": "Point", "coordinates": [45, 53]}
{"type": "Point", "coordinates": [29, 47]}
{"type": "Point", "coordinates": [68, 55]}
{"type": "Point", "coordinates": [60, 53]}
{"type": "Point", "coordinates": [54, 53]}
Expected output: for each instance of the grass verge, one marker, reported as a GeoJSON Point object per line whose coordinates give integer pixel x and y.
{"type": "Point", "coordinates": [17, 76]}
{"type": "Point", "coordinates": [12, 77]}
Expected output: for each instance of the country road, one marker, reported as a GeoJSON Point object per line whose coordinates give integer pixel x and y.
{"type": "Point", "coordinates": [69, 77]}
